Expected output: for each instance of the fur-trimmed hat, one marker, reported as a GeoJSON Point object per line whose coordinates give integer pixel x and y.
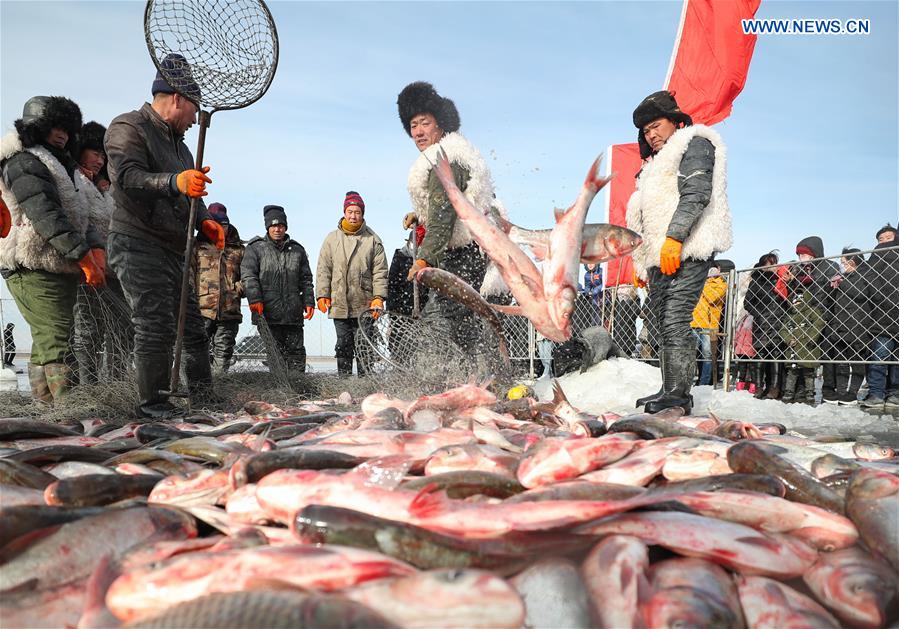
{"type": "Point", "coordinates": [421, 98]}
{"type": "Point", "coordinates": [657, 105]}
{"type": "Point", "coordinates": [91, 137]}
{"type": "Point", "coordinates": [885, 229]}
{"type": "Point", "coordinates": [41, 114]}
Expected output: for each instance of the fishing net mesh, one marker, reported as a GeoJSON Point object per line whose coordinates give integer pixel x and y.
{"type": "Point", "coordinates": [220, 53]}
{"type": "Point", "coordinates": [408, 355]}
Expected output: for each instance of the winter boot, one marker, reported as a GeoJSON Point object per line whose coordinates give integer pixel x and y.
{"type": "Point", "coordinates": [344, 366]}
{"type": "Point", "coordinates": [153, 375]}
{"type": "Point", "coordinates": [198, 372]}
{"type": "Point", "coordinates": [677, 378]}
{"type": "Point", "coordinates": [649, 398]}
{"type": "Point", "coordinates": [809, 378]}
{"type": "Point", "coordinates": [777, 377]}
{"type": "Point", "coordinates": [40, 392]}
{"type": "Point", "coordinates": [59, 379]}
{"type": "Point", "coordinates": [789, 388]}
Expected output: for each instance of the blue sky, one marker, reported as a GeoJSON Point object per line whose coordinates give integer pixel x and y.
{"type": "Point", "coordinates": [542, 88]}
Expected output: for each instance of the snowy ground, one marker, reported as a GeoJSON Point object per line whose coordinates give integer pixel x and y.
{"type": "Point", "coordinates": [614, 384]}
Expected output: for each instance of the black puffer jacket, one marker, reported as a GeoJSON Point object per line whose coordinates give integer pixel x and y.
{"type": "Point", "coordinates": [35, 190]}
{"type": "Point", "coordinates": [279, 277]}
{"type": "Point", "coordinates": [767, 308]}
{"type": "Point", "coordinates": [883, 290]}
{"type": "Point", "coordinates": [143, 154]}
{"type": "Point", "coordinates": [850, 308]}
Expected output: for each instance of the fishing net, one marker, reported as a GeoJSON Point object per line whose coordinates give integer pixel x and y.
{"type": "Point", "coordinates": [275, 361]}
{"type": "Point", "coordinates": [409, 355]}
{"type": "Point", "coordinates": [102, 335]}
{"type": "Point", "coordinates": [221, 53]}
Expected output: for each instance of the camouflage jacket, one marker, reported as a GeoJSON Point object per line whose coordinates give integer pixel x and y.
{"type": "Point", "coordinates": [216, 277]}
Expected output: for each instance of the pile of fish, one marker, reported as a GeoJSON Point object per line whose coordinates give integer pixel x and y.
{"type": "Point", "coordinates": [452, 510]}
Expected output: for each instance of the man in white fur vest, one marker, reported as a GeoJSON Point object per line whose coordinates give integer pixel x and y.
{"type": "Point", "coordinates": [680, 209]}
{"type": "Point", "coordinates": [432, 122]}
{"type": "Point", "coordinates": [51, 244]}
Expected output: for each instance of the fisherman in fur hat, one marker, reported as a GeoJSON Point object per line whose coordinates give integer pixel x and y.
{"type": "Point", "coordinates": [680, 208]}
{"type": "Point", "coordinates": [52, 243]}
{"type": "Point", "coordinates": [432, 122]}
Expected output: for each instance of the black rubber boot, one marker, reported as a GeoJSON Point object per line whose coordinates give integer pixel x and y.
{"type": "Point", "coordinates": [655, 396]}
{"type": "Point", "coordinates": [198, 372]}
{"type": "Point", "coordinates": [344, 366]}
{"type": "Point", "coordinates": [776, 375]}
{"type": "Point", "coordinates": [679, 365]}
{"type": "Point", "coordinates": [152, 373]}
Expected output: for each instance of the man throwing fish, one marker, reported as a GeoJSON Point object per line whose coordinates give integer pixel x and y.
{"type": "Point", "coordinates": [432, 122]}
{"type": "Point", "coordinates": [680, 208]}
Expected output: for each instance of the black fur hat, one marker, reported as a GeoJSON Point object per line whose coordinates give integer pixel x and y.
{"type": "Point", "coordinates": [884, 230]}
{"type": "Point", "coordinates": [421, 98]}
{"type": "Point", "coordinates": [43, 113]}
{"type": "Point", "coordinates": [91, 137]}
{"type": "Point", "coordinates": [657, 105]}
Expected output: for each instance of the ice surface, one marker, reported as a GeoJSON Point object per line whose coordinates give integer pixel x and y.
{"type": "Point", "coordinates": [614, 384]}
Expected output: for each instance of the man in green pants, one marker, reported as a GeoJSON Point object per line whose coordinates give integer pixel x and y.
{"type": "Point", "coordinates": [51, 242]}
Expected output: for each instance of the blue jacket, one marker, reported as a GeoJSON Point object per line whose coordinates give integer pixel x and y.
{"type": "Point", "coordinates": [593, 281]}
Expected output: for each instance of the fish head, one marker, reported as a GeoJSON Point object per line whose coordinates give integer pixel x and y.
{"type": "Point", "coordinates": [562, 308]}
{"type": "Point", "coordinates": [621, 241]}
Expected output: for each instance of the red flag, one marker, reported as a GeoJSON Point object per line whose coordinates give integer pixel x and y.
{"type": "Point", "coordinates": [625, 162]}
{"type": "Point", "coordinates": [711, 57]}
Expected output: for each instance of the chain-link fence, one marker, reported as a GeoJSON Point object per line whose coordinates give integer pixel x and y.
{"type": "Point", "coordinates": [838, 315]}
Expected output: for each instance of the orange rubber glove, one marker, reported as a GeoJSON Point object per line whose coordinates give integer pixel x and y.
{"type": "Point", "coordinates": [93, 274]}
{"type": "Point", "coordinates": [5, 220]}
{"type": "Point", "coordinates": [417, 266]}
{"type": "Point", "coordinates": [638, 283]}
{"type": "Point", "coordinates": [257, 307]}
{"type": "Point", "coordinates": [324, 304]}
{"type": "Point", "coordinates": [310, 310]}
{"type": "Point", "coordinates": [376, 306]}
{"type": "Point", "coordinates": [193, 182]}
{"type": "Point", "coordinates": [669, 261]}
{"type": "Point", "coordinates": [100, 259]}
{"type": "Point", "coordinates": [214, 231]}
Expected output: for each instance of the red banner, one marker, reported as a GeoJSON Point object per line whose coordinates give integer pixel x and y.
{"type": "Point", "coordinates": [624, 161]}
{"type": "Point", "coordinates": [711, 57]}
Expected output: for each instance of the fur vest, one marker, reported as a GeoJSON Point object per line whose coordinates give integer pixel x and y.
{"type": "Point", "coordinates": [653, 203]}
{"type": "Point", "coordinates": [100, 207]}
{"type": "Point", "coordinates": [479, 191]}
{"type": "Point", "coordinates": [24, 247]}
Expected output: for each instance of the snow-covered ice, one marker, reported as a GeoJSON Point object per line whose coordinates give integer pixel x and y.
{"type": "Point", "coordinates": [614, 384]}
